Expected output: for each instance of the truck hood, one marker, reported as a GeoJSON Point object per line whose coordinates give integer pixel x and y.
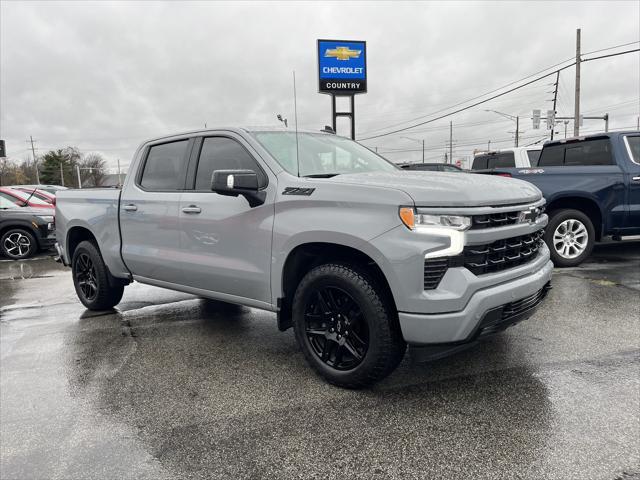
{"type": "Point", "coordinates": [443, 189]}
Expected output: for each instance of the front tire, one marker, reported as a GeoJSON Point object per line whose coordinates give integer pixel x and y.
{"type": "Point", "coordinates": [91, 279]}
{"type": "Point", "coordinates": [570, 237]}
{"type": "Point", "coordinates": [345, 328]}
{"type": "Point", "coordinates": [18, 244]}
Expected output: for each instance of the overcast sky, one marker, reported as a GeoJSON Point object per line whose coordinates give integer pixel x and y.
{"type": "Point", "coordinates": [105, 76]}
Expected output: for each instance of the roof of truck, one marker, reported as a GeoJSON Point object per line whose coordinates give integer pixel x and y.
{"type": "Point", "coordinates": [239, 130]}
{"type": "Point", "coordinates": [591, 136]}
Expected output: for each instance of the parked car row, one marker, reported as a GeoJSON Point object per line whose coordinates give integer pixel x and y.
{"type": "Point", "coordinates": [27, 219]}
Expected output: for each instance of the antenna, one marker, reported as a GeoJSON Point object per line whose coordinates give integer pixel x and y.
{"type": "Point", "coordinates": [295, 110]}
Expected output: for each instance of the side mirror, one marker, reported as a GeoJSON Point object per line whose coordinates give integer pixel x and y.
{"type": "Point", "coordinates": [238, 182]}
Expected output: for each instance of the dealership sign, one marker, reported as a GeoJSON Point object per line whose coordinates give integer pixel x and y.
{"type": "Point", "coordinates": [342, 67]}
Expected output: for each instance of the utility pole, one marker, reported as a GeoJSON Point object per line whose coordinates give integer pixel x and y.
{"type": "Point", "coordinates": [78, 172]}
{"type": "Point", "coordinates": [119, 179]}
{"type": "Point", "coordinates": [35, 160]}
{"type": "Point", "coordinates": [606, 122]}
{"type": "Point", "coordinates": [450, 142]}
{"type": "Point", "coordinates": [489, 146]}
{"type": "Point", "coordinates": [61, 174]}
{"type": "Point", "coordinates": [555, 100]}
{"type": "Point", "coordinates": [566, 122]}
{"type": "Point", "coordinates": [576, 114]}
{"type": "Point", "coordinates": [517, 129]}
{"type": "Point", "coordinates": [423, 150]}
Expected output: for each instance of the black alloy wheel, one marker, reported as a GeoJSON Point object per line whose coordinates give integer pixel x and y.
{"type": "Point", "coordinates": [18, 244]}
{"type": "Point", "coordinates": [85, 273]}
{"type": "Point", "coordinates": [336, 329]}
{"type": "Point", "coordinates": [346, 325]}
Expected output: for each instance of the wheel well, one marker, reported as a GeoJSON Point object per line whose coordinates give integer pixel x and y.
{"type": "Point", "coordinates": [309, 255]}
{"type": "Point", "coordinates": [585, 205]}
{"type": "Point", "coordinates": [77, 235]}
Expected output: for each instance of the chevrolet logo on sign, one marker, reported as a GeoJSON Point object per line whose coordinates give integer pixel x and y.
{"type": "Point", "coordinates": [342, 53]}
{"type": "Point", "coordinates": [342, 67]}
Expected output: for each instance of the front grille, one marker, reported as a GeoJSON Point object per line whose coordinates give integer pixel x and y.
{"type": "Point", "coordinates": [501, 254]}
{"type": "Point", "coordinates": [495, 220]}
{"type": "Point", "coordinates": [434, 270]}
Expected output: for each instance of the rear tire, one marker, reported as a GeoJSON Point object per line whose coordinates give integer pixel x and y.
{"type": "Point", "coordinates": [91, 279]}
{"type": "Point", "coordinates": [18, 244]}
{"type": "Point", "coordinates": [570, 237]}
{"type": "Point", "coordinates": [346, 330]}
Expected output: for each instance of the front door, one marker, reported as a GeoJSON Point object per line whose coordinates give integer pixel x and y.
{"type": "Point", "coordinates": [225, 243]}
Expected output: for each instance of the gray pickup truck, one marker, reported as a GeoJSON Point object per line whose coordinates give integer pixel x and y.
{"type": "Point", "coordinates": [360, 257]}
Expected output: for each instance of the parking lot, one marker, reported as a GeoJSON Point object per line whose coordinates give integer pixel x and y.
{"type": "Point", "coordinates": [172, 386]}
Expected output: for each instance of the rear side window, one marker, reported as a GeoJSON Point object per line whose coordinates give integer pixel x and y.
{"type": "Point", "coordinates": [480, 162]}
{"type": "Point", "coordinates": [221, 153]}
{"type": "Point", "coordinates": [503, 160]}
{"type": "Point", "coordinates": [552, 156]}
{"type": "Point", "coordinates": [163, 166]}
{"type": "Point", "coordinates": [534, 156]}
{"type": "Point", "coordinates": [589, 152]}
{"type": "Point", "coordinates": [584, 153]}
{"type": "Point", "coordinates": [634, 148]}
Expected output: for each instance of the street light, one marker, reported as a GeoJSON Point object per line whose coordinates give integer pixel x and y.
{"type": "Point", "coordinates": [512, 118]}
{"type": "Point", "coordinates": [420, 141]}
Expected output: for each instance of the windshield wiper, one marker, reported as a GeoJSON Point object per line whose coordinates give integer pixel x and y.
{"type": "Point", "coordinates": [321, 175]}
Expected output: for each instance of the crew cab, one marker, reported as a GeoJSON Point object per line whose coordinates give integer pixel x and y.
{"type": "Point", "coordinates": [592, 188]}
{"type": "Point", "coordinates": [360, 257]}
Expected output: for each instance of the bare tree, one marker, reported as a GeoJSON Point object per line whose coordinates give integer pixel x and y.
{"type": "Point", "coordinates": [92, 169]}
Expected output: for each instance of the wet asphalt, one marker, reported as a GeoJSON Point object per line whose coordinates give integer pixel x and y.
{"type": "Point", "coordinates": [172, 386]}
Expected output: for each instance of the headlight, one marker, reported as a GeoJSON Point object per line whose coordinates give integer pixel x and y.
{"type": "Point", "coordinates": [414, 220]}
{"type": "Point", "coordinates": [46, 218]}
{"type": "Point", "coordinates": [450, 226]}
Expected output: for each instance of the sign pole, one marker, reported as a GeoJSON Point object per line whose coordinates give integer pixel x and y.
{"type": "Point", "coordinates": [353, 117]}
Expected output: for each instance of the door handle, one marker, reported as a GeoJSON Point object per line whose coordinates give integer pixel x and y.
{"type": "Point", "coordinates": [636, 179]}
{"type": "Point", "coordinates": [130, 207]}
{"type": "Point", "coordinates": [191, 209]}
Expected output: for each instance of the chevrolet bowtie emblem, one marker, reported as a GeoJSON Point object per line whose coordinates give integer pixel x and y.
{"type": "Point", "coordinates": [342, 53]}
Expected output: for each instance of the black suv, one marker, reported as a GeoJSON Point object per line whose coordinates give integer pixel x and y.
{"type": "Point", "coordinates": [25, 230]}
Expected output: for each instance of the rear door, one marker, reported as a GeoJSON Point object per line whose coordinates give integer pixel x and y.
{"type": "Point", "coordinates": [149, 207]}
{"type": "Point", "coordinates": [225, 243]}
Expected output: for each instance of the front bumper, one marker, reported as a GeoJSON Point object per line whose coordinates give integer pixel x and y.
{"type": "Point", "coordinates": [488, 310]}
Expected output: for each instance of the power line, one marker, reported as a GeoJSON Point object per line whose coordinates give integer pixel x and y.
{"type": "Point", "coordinates": [611, 48]}
{"type": "Point", "coordinates": [611, 55]}
{"type": "Point", "coordinates": [464, 108]}
{"type": "Point", "coordinates": [504, 86]}
{"type": "Point", "coordinates": [486, 93]}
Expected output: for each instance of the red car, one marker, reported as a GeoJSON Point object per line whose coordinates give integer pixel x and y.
{"type": "Point", "coordinates": [23, 198]}
{"type": "Point", "coordinates": [41, 194]}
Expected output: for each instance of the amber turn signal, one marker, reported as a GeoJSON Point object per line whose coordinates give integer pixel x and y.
{"type": "Point", "coordinates": [407, 215]}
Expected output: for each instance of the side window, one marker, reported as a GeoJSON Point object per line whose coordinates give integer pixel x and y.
{"type": "Point", "coordinates": [589, 152]}
{"type": "Point", "coordinates": [505, 159]}
{"type": "Point", "coordinates": [634, 148]}
{"type": "Point", "coordinates": [163, 166]}
{"type": "Point", "coordinates": [552, 156]}
{"type": "Point", "coordinates": [534, 156]}
{"type": "Point", "coordinates": [7, 201]}
{"type": "Point", "coordinates": [480, 162]}
{"type": "Point", "coordinates": [221, 153]}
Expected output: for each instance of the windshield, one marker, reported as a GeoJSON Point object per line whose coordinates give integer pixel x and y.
{"type": "Point", "coordinates": [321, 154]}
